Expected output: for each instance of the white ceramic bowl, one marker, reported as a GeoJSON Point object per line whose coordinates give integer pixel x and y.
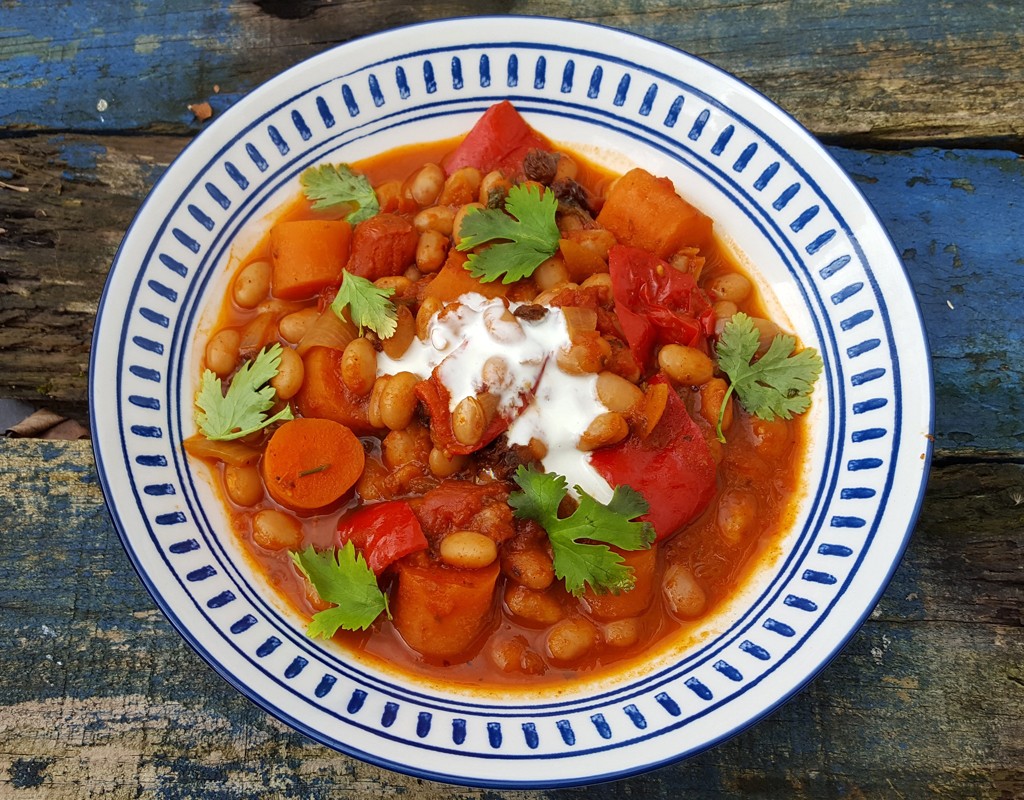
{"type": "Point", "coordinates": [774, 192]}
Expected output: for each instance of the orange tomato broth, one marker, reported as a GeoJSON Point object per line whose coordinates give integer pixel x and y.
{"type": "Point", "coordinates": [760, 460]}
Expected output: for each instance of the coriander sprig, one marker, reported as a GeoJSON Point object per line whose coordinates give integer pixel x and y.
{"type": "Point", "coordinates": [578, 562]}
{"type": "Point", "coordinates": [368, 305]}
{"type": "Point", "coordinates": [523, 241]}
{"type": "Point", "coordinates": [779, 383]}
{"type": "Point", "coordinates": [243, 408]}
{"type": "Point", "coordinates": [341, 576]}
{"type": "Point", "coordinates": [330, 185]}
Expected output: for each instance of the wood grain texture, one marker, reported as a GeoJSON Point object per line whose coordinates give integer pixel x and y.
{"type": "Point", "coordinates": [953, 215]}
{"type": "Point", "coordinates": [57, 241]}
{"type": "Point", "coordinates": [99, 696]}
{"type": "Point", "coordinates": [871, 72]}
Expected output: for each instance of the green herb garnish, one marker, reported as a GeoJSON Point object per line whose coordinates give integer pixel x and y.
{"type": "Point", "coordinates": [584, 562]}
{"type": "Point", "coordinates": [522, 243]}
{"type": "Point", "coordinates": [331, 185]}
{"type": "Point", "coordinates": [779, 383]}
{"type": "Point", "coordinates": [320, 468]}
{"type": "Point", "coordinates": [368, 305]}
{"type": "Point", "coordinates": [342, 577]}
{"type": "Point", "coordinates": [243, 408]}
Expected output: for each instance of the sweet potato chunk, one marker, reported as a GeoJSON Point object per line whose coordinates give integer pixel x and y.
{"type": "Point", "coordinates": [644, 211]}
{"type": "Point", "coordinates": [439, 611]}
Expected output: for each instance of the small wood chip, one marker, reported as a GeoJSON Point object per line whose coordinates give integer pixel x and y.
{"type": "Point", "coordinates": [202, 111]}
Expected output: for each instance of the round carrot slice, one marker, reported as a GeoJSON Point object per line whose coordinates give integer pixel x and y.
{"type": "Point", "coordinates": [310, 463]}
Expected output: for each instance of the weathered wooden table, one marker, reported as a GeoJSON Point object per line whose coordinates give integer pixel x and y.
{"type": "Point", "coordinates": [920, 102]}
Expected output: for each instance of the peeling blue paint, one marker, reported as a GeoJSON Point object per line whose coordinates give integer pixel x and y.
{"type": "Point", "coordinates": [80, 159]}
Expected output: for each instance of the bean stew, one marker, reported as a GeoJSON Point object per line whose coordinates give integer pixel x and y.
{"type": "Point", "coordinates": [482, 411]}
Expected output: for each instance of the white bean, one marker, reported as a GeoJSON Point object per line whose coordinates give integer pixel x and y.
{"type": "Point", "coordinates": [252, 284]}
{"type": "Point", "coordinates": [425, 184]}
{"type": "Point", "coordinates": [685, 365]}
{"type": "Point", "coordinates": [275, 530]}
{"type": "Point", "coordinates": [606, 429]}
{"type": "Point", "coordinates": [222, 351]}
{"type": "Point", "coordinates": [293, 327]}
{"type": "Point", "coordinates": [290, 374]}
{"type": "Point", "coordinates": [397, 403]}
{"type": "Point", "coordinates": [359, 366]}
{"type": "Point", "coordinates": [468, 550]}
{"type": "Point", "coordinates": [243, 484]}
{"type": "Point", "coordinates": [468, 421]}
{"type": "Point", "coordinates": [431, 251]}
{"type": "Point", "coordinates": [571, 639]}
{"type": "Point", "coordinates": [537, 607]}
{"type": "Point", "coordinates": [685, 596]}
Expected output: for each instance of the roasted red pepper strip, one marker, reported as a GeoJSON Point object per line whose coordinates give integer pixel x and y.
{"type": "Point", "coordinates": [499, 140]}
{"type": "Point", "coordinates": [434, 395]}
{"type": "Point", "coordinates": [383, 533]}
{"type": "Point", "coordinates": [672, 468]}
{"type": "Point", "coordinates": [656, 303]}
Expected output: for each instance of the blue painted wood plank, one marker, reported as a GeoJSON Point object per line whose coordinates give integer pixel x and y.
{"type": "Point", "coordinates": [956, 218]}
{"type": "Point", "coordinates": [107, 66]}
{"type": "Point", "coordinates": [112, 66]}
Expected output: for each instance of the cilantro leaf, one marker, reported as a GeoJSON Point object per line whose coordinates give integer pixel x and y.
{"type": "Point", "coordinates": [524, 242]}
{"type": "Point", "coordinates": [342, 577]}
{"type": "Point", "coordinates": [242, 409]}
{"type": "Point", "coordinates": [368, 305]}
{"type": "Point", "coordinates": [331, 185]}
{"type": "Point", "coordinates": [779, 383]}
{"type": "Point", "coordinates": [576, 562]}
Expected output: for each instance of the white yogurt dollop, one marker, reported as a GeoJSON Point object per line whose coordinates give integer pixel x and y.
{"type": "Point", "coordinates": [480, 346]}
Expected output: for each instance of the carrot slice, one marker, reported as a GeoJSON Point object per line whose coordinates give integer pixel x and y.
{"type": "Point", "coordinates": [307, 255]}
{"type": "Point", "coordinates": [311, 463]}
{"type": "Point", "coordinates": [644, 211]}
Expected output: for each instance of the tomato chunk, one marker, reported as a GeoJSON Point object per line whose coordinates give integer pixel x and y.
{"type": "Point", "coordinates": [381, 246]}
{"type": "Point", "coordinates": [656, 303]}
{"type": "Point", "coordinates": [460, 505]}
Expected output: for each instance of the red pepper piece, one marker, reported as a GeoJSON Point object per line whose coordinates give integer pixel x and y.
{"type": "Point", "coordinates": [656, 303]}
{"type": "Point", "coordinates": [672, 468]}
{"type": "Point", "coordinates": [383, 533]}
{"type": "Point", "coordinates": [500, 139]}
